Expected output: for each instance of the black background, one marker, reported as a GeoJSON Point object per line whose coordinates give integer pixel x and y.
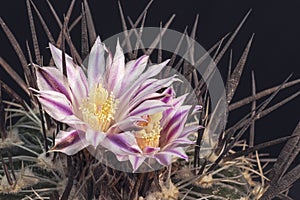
{"type": "Point", "coordinates": [273, 57]}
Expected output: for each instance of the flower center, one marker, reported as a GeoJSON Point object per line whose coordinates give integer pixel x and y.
{"type": "Point", "coordinates": [150, 134]}
{"type": "Point", "coordinates": [98, 108]}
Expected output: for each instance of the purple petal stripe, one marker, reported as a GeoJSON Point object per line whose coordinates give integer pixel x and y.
{"type": "Point", "coordinates": [69, 142]}
{"type": "Point", "coordinates": [50, 78]}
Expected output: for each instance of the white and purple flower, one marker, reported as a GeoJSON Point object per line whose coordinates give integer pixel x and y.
{"type": "Point", "coordinates": [163, 136]}
{"type": "Point", "coordinates": [114, 105]}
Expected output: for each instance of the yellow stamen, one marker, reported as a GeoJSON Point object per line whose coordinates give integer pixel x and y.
{"type": "Point", "coordinates": [98, 109]}
{"type": "Point", "coordinates": [150, 134]}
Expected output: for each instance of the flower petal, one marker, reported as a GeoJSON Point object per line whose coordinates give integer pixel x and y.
{"type": "Point", "coordinates": [50, 78]}
{"type": "Point", "coordinates": [94, 137]}
{"type": "Point", "coordinates": [150, 150]}
{"type": "Point", "coordinates": [116, 71]}
{"type": "Point", "coordinates": [136, 161]}
{"type": "Point", "coordinates": [175, 102]}
{"type": "Point", "coordinates": [151, 86]}
{"type": "Point", "coordinates": [177, 152]}
{"type": "Point", "coordinates": [169, 95]}
{"type": "Point", "coordinates": [133, 70]}
{"type": "Point", "coordinates": [122, 158]}
{"type": "Point", "coordinates": [190, 129]}
{"type": "Point", "coordinates": [153, 70]}
{"type": "Point", "coordinates": [59, 108]}
{"type": "Point", "coordinates": [128, 124]}
{"type": "Point", "coordinates": [75, 75]}
{"type": "Point", "coordinates": [165, 157]}
{"type": "Point", "coordinates": [57, 57]}
{"type": "Point", "coordinates": [56, 104]}
{"type": "Point", "coordinates": [136, 67]}
{"type": "Point", "coordinates": [149, 107]}
{"type": "Point", "coordinates": [150, 72]}
{"type": "Point", "coordinates": [79, 87]}
{"type": "Point", "coordinates": [196, 109]}
{"type": "Point", "coordinates": [69, 142]}
{"type": "Point", "coordinates": [152, 96]}
{"type": "Point", "coordinates": [175, 125]}
{"type": "Point", "coordinates": [96, 63]}
{"type": "Point", "coordinates": [121, 144]}
{"type": "Point", "coordinates": [179, 100]}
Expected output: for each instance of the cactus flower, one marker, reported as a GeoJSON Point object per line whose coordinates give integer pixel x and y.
{"type": "Point", "coordinates": [105, 102]}
{"type": "Point", "coordinates": [162, 137]}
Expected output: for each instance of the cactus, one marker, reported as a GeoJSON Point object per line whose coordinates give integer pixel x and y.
{"type": "Point", "coordinates": [224, 166]}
